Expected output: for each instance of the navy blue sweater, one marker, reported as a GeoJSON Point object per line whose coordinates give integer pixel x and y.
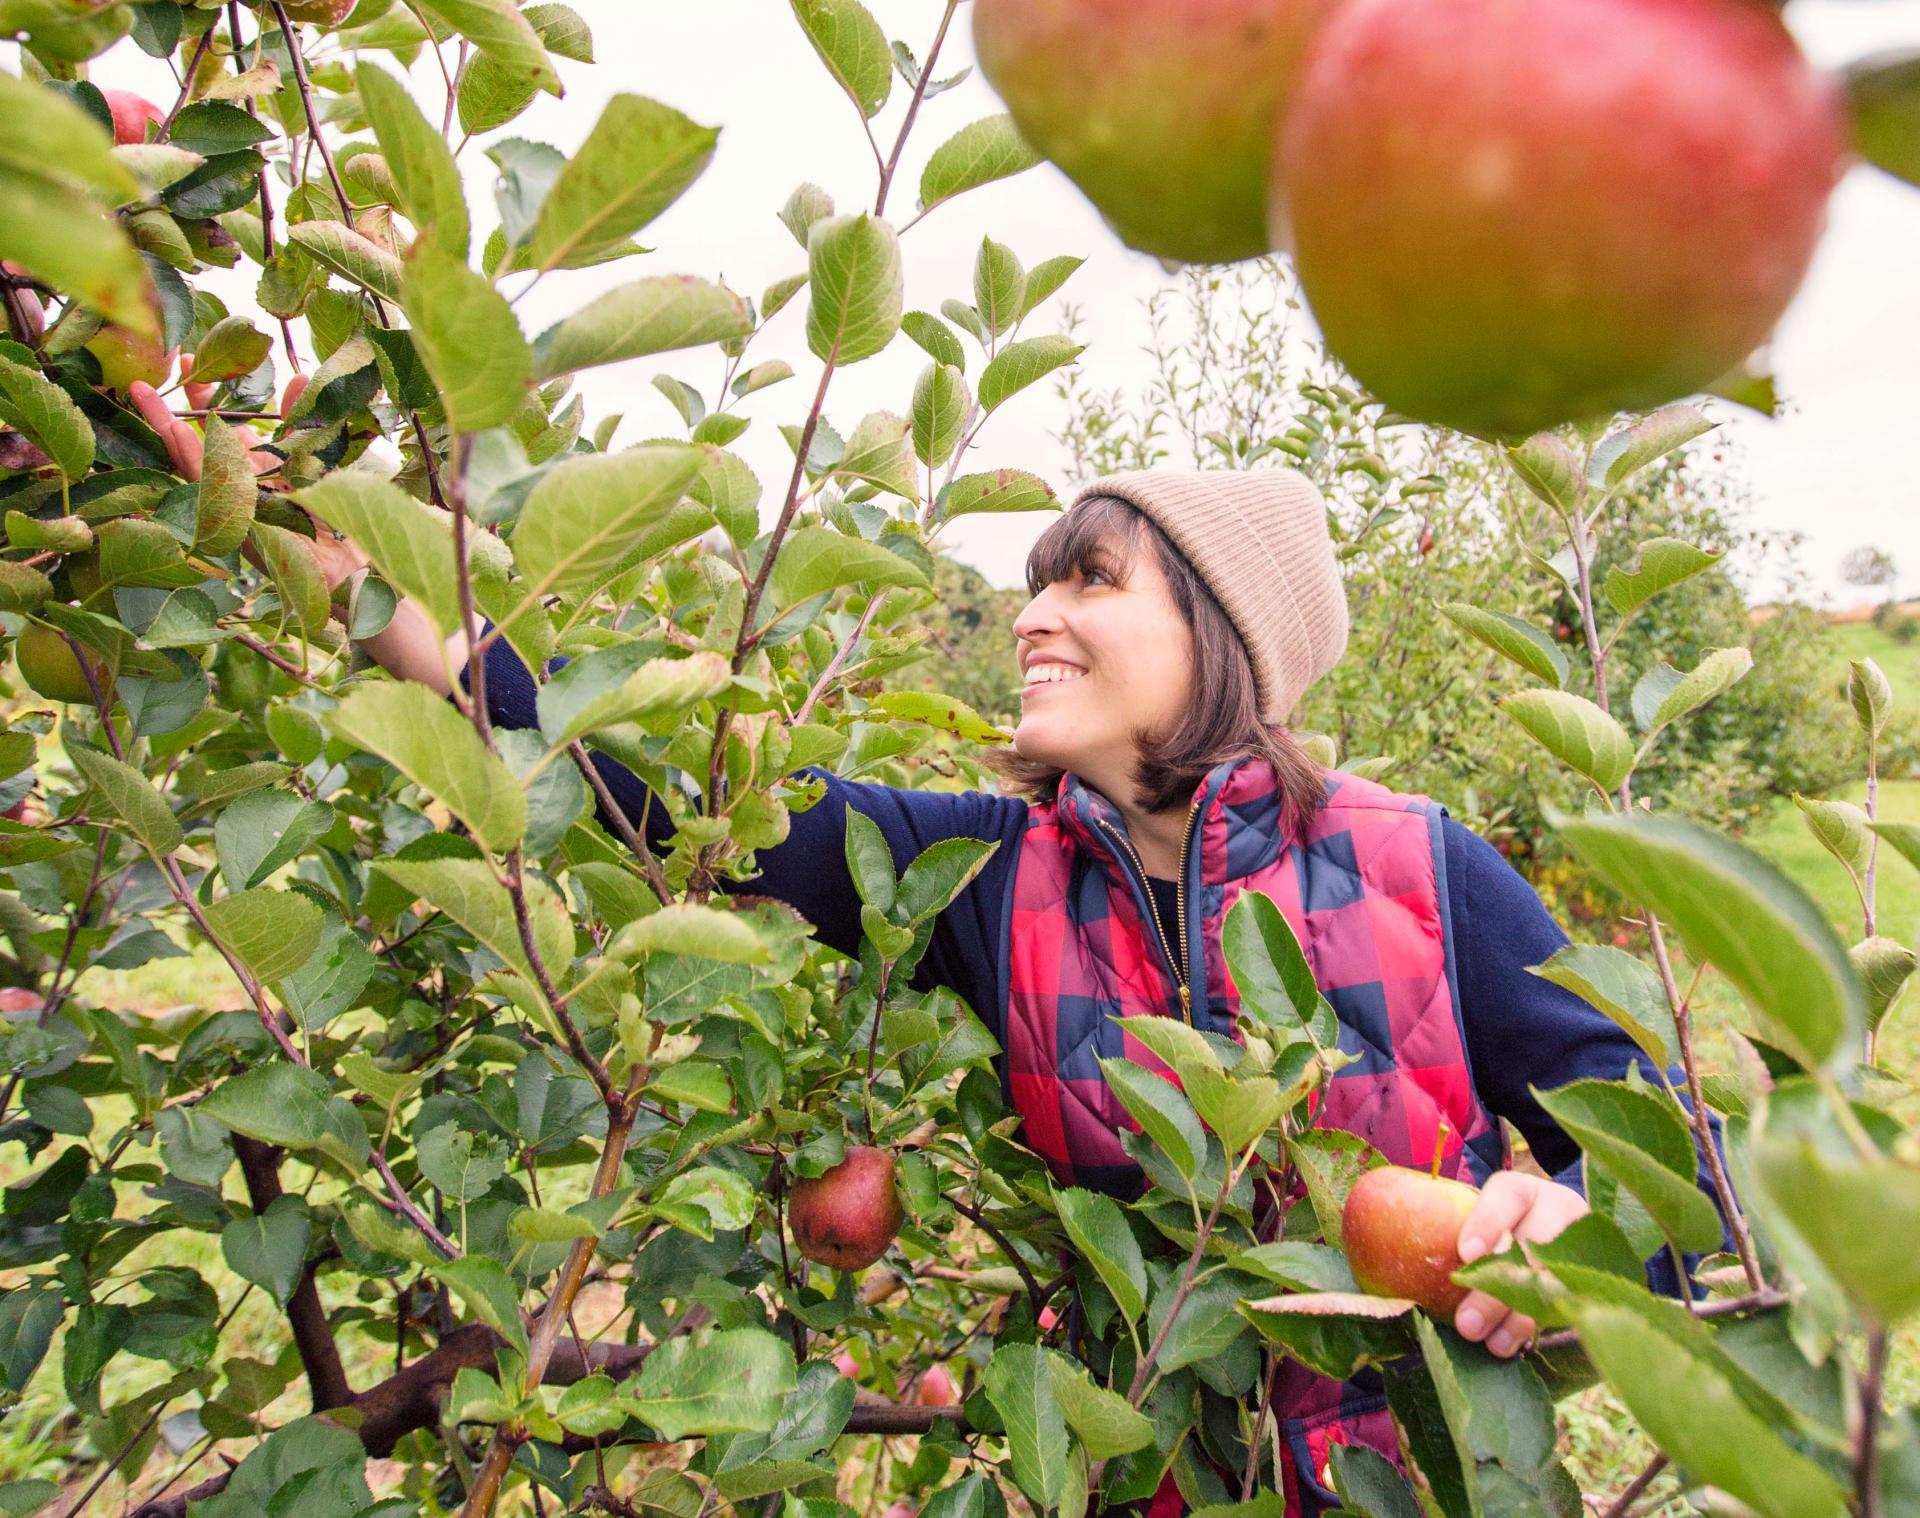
{"type": "Point", "coordinates": [1521, 1031]}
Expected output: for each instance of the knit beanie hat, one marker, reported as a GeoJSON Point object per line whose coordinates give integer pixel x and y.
{"type": "Point", "coordinates": [1258, 538]}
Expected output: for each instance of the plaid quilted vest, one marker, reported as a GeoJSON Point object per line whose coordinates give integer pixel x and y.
{"type": "Point", "coordinates": [1364, 890]}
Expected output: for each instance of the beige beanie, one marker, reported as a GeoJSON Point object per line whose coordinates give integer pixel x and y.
{"type": "Point", "coordinates": [1258, 538]}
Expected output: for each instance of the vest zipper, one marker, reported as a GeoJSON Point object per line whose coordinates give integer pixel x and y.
{"type": "Point", "coordinates": [1177, 966]}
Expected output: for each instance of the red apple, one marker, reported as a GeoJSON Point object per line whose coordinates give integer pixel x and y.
{"type": "Point", "coordinates": [847, 1365]}
{"type": "Point", "coordinates": [1401, 1230]}
{"type": "Point", "coordinates": [131, 115]}
{"type": "Point", "coordinates": [936, 1389]}
{"type": "Point", "coordinates": [1161, 111]}
{"type": "Point", "coordinates": [847, 1217]}
{"type": "Point", "coordinates": [1509, 214]}
{"type": "Point", "coordinates": [321, 12]}
{"type": "Point", "coordinates": [290, 397]}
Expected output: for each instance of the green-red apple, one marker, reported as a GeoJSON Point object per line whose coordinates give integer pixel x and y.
{"type": "Point", "coordinates": [847, 1217]}
{"type": "Point", "coordinates": [1401, 1231]}
{"type": "Point", "coordinates": [131, 115]}
{"type": "Point", "coordinates": [1161, 111]}
{"type": "Point", "coordinates": [1509, 214]}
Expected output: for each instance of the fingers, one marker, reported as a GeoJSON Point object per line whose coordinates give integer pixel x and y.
{"type": "Point", "coordinates": [200, 394]}
{"type": "Point", "coordinates": [1506, 1198]}
{"type": "Point", "coordinates": [183, 443]}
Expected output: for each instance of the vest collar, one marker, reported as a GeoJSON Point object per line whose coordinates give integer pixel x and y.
{"type": "Point", "coordinates": [1235, 834]}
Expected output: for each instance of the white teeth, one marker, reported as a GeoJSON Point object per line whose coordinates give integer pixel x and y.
{"type": "Point", "coordinates": [1048, 674]}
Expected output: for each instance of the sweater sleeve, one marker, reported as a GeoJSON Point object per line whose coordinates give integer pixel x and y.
{"type": "Point", "coordinates": [809, 869]}
{"type": "Point", "coordinates": [1524, 1032]}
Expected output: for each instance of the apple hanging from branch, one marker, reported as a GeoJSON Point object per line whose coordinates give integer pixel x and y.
{"type": "Point", "coordinates": [848, 1216]}
{"type": "Point", "coordinates": [1401, 1228]}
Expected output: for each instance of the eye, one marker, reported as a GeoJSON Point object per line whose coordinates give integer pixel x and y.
{"type": "Point", "coordinates": [1095, 577]}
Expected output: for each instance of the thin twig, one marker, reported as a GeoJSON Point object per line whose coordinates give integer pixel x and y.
{"type": "Point", "coordinates": [1635, 1487]}
{"type": "Point", "coordinates": [406, 1207]}
{"type": "Point", "coordinates": [186, 88]}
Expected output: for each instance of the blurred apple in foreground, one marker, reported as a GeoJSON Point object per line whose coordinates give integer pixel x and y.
{"type": "Point", "coordinates": [1161, 111]}
{"type": "Point", "coordinates": [1509, 214]}
{"type": "Point", "coordinates": [1401, 1231]}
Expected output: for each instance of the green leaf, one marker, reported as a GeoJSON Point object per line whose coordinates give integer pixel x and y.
{"type": "Point", "coordinates": [62, 535]}
{"type": "Point", "coordinates": [1268, 965]}
{"type": "Point", "coordinates": [878, 453]}
{"type": "Point", "coordinates": [1885, 967]}
{"type": "Point", "coordinates": [640, 157]}
{"type": "Point", "coordinates": [934, 337]}
{"type": "Point", "coordinates": [466, 335]}
{"type": "Point", "coordinates": [129, 795]}
{"type": "Point", "coordinates": [936, 710]}
{"type": "Point", "coordinates": [1369, 1484]}
{"type": "Point", "coordinates": [272, 933]}
{"type": "Point", "coordinates": [686, 928]}
{"type": "Point", "coordinates": [1004, 490]}
{"type": "Point", "coordinates": [232, 347]}
{"type": "Point", "coordinates": [1513, 639]}
{"type": "Point", "coordinates": [571, 708]}
{"type": "Point", "coordinates": [815, 561]}
{"type": "Point", "coordinates": [1883, 98]}
{"type": "Point", "coordinates": [23, 589]}
{"type": "Point", "coordinates": [977, 154]}
{"type": "Point", "coordinates": [1046, 277]}
{"type": "Point", "coordinates": [999, 292]}
{"type": "Point", "coordinates": [459, 1162]}
{"type": "Point", "coordinates": [1019, 1384]}
{"type": "Point", "coordinates": [1330, 1160]}
{"type": "Point", "coordinates": [424, 171]}
{"type": "Point", "coordinates": [45, 133]}
{"type": "Point", "coordinates": [1693, 1411]}
{"type": "Point", "coordinates": [260, 832]}
{"type": "Point", "coordinates": [28, 1316]}
{"type": "Point", "coordinates": [1859, 1216]}
{"type": "Point", "coordinates": [1643, 1141]}
{"type": "Point", "coordinates": [1634, 447]}
{"type": "Point", "coordinates": [465, 889]}
{"type": "Point", "coordinates": [1107, 1426]}
{"type": "Point", "coordinates": [409, 542]}
{"type": "Point", "coordinates": [292, 1106]}
{"type": "Point", "coordinates": [1663, 564]}
{"type": "Point", "coordinates": [1019, 364]}
{"type": "Point", "coordinates": [338, 247]}
{"type": "Point", "coordinates": [1870, 695]}
{"type": "Point", "coordinates": [941, 404]}
{"type": "Point", "coordinates": [1737, 911]}
{"type": "Point", "coordinates": [1332, 1332]}
{"type": "Point", "coordinates": [938, 874]}
{"type": "Point", "coordinates": [137, 553]}
{"type": "Point", "coordinates": [224, 505]}
{"type": "Point", "coordinates": [654, 315]}
{"type": "Point", "coordinates": [852, 46]}
{"type": "Point", "coordinates": [1205, 1325]}
{"type": "Point", "coordinates": [853, 268]}
{"type": "Point", "coordinates": [1098, 1229]}
{"type": "Point", "coordinates": [719, 1382]}
{"type": "Point", "coordinates": [269, 1248]}
{"type": "Point", "coordinates": [1675, 695]}
{"type": "Point", "coordinates": [36, 406]}
{"type": "Point", "coordinates": [295, 571]}
{"type": "Point", "coordinates": [807, 204]}
{"type": "Point", "coordinates": [869, 861]}
{"type": "Point", "coordinates": [1576, 732]}
{"type": "Point", "coordinates": [501, 32]}
{"type": "Point", "coordinates": [65, 240]}
{"type": "Point", "coordinates": [1840, 828]}
{"type": "Point", "coordinates": [488, 1292]}
{"type": "Point", "coordinates": [588, 515]}
{"type": "Point", "coordinates": [437, 749]}
{"type": "Point", "coordinates": [1163, 1113]}
{"type": "Point", "coordinates": [1547, 467]}
{"type": "Point", "coordinates": [1622, 986]}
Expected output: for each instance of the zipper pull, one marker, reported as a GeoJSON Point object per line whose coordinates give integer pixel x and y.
{"type": "Point", "coordinates": [1186, 1002]}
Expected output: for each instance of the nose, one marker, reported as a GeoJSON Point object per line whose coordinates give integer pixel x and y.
{"type": "Point", "coordinates": [1039, 616]}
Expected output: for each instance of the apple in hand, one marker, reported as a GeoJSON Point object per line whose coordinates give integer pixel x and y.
{"type": "Point", "coordinates": [131, 114]}
{"type": "Point", "coordinates": [1401, 1230]}
{"type": "Point", "coordinates": [847, 1217]}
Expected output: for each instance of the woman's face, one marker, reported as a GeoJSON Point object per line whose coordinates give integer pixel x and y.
{"type": "Point", "coordinates": [1103, 662]}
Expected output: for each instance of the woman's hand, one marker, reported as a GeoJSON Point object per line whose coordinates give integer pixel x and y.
{"type": "Point", "coordinates": [1512, 1206]}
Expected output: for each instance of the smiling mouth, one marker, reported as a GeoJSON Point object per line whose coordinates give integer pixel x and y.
{"type": "Point", "coordinates": [1046, 673]}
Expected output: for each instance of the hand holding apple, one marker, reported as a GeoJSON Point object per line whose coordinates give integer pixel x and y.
{"type": "Point", "coordinates": [1512, 1206]}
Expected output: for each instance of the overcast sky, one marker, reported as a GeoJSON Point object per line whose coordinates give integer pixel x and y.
{"type": "Point", "coordinates": [1837, 466]}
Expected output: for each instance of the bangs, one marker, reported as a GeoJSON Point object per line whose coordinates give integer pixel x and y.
{"type": "Point", "coordinates": [1100, 535]}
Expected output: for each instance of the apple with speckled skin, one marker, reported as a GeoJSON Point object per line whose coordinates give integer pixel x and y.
{"type": "Point", "coordinates": [1510, 214]}
{"type": "Point", "coordinates": [848, 1216]}
{"type": "Point", "coordinates": [1401, 1232]}
{"type": "Point", "coordinates": [1161, 111]}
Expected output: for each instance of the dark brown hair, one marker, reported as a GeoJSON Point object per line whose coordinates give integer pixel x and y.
{"type": "Point", "coordinates": [1222, 719]}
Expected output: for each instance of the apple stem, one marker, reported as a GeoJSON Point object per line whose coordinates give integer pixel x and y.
{"type": "Point", "coordinates": [1439, 1149]}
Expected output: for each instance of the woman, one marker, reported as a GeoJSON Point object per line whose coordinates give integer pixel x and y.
{"type": "Point", "coordinates": [1176, 619]}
